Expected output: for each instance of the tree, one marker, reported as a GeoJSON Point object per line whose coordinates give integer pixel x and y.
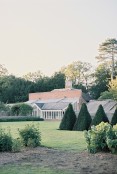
{"type": "Point", "coordinates": [33, 76]}
{"type": "Point", "coordinates": [84, 119]}
{"type": "Point", "coordinates": [100, 116]}
{"type": "Point", "coordinates": [112, 91]}
{"type": "Point", "coordinates": [101, 80]}
{"type": "Point", "coordinates": [68, 119]}
{"type": "Point", "coordinates": [21, 109]}
{"type": "Point", "coordinates": [3, 71]}
{"type": "Point", "coordinates": [78, 72]}
{"type": "Point", "coordinates": [114, 118]}
{"type": "Point", "coordinates": [108, 51]}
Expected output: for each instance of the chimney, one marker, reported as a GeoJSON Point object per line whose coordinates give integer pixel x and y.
{"type": "Point", "coordinates": [68, 83]}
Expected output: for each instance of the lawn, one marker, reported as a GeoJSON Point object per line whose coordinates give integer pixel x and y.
{"type": "Point", "coordinates": [51, 136]}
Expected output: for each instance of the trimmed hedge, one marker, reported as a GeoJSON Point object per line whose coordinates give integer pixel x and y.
{"type": "Point", "coordinates": [68, 119]}
{"type": "Point", "coordinates": [114, 118]}
{"type": "Point", "coordinates": [20, 118]}
{"type": "Point", "coordinates": [84, 119]}
{"type": "Point", "coordinates": [100, 116]}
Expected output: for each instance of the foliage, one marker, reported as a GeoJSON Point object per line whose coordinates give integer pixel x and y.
{"type": "Point", "coordinates": [13, 89]}
{"type": "Point", "coordinates": [112, 93]}
{"type": "Point", "coordinates": [101, 79]}
{"type": "Point", "coordinates": [17, 145]}
{"type": "Point", "coordinates": [84, 119]}
{"type": "Point", "coordinates": [106, 95]}
{"type": "Point", "coordinates": [21, 109]}
{"type": "Point", "coordinates": [68, 119]}
{"type": "Point", "coordinates": [101, 138]}
{"type": "Point", "coordinates": [5, 141]}
{"type": "Point", "coordinates": [79, 72]}
{"type": "Point", "coordinates": [19, 118]}
{"type": "Point", "coordinates": [99, 116]}
{"type": "Point", "coordinates": [31, 136]}
{"type": "Point", "coordinates": [4, 109]}
{"type": "Point", "coordinates": [3, 71]}
{"type": "Point", "coordinates": [108, 51]}
{"type": "Point", "coordinates": [33, 76]}
{"type": "Point", "coordinates": [114, 118]}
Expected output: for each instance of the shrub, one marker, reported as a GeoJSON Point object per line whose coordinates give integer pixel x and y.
{"type": "Point", "coordinates": [114, 118]}
{"type": "Point", "coordinates": [100, 116]}
{"type": "Point", "coordinates": [102, 137]}
{"type": "Point", "coordinates": [21, 109]}
{"type": "Point", "coordinates": [5, 141]}
{"type": "Point", "coordinates": [17, 145]}
{"type": "Point", "coordinates": [68, 119]}
{"type": "Point", "coordinates": [20, 118]}
{"type": "Point", "coordinates": [84, 119]}
{"type": "Point", "coordinates": [30, 136]}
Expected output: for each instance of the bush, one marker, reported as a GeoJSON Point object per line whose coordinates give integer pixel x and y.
{"type": "Point", "coordinates": [20, 118]}
{"type": "Point", "coordinates": [101, 138]}
{"type": "Point", "coordinates": [21, 109]}
{"type": "Point", "coordinates": [100, 116]}
{"type": "Point", "coordinates": [68, 119]}
{"type": "Point", "coordinates": [17, 145]}
{"type": "Point", "coordinates": [5, 141]}
{"type": "Point", "coordinates": [30, 136]}
{"type": "Point", "coordinates": [114, 118]}
{"type": "Point", "coordinates": [84, 119]}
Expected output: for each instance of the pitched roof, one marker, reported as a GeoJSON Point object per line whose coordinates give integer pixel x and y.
{"type": "Point", "coordinates": [108, 105]}
{"type": "Point", "coordinates": [54, 104]}
{"type": "Point", "coordinates": [56, 94]}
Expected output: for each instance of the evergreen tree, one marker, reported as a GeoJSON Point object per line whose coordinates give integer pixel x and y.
{"type": "Point", "coordinates": [69, 119]}
{"type": "Point", "coordinates": [84, 119]}
{"type": "Point", "coordinates": [99, 116]}
{"type": "Point", "coordinates": [114, 118]}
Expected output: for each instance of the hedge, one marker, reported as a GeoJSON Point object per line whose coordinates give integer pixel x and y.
{"type": "Point", "coordinates": [20, 118]}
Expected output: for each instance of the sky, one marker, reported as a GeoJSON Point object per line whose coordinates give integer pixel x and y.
{"type": "Point", "coordinates": [48, 34]}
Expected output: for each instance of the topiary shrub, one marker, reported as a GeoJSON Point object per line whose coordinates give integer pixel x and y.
{"type": "Point", "coordinates": [30, 136]}
{"type": "Point", "coordinates": [68, 119]}
{"type": "Point", "coordinates": [84, 119]}
{"type": "Point", "coordinates": [114, 118]}
{"type": "Point", "coordinates": [100, 116]}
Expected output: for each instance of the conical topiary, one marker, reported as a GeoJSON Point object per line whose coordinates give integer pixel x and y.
{"type": "Point", "coordinates": [99, 116]}
{"type": "Point", "coordinates": [68, 119]}
{"type": "Point", "coordinates": [114, 118]}
{"type": "Point", "coordinates": [84, 119]}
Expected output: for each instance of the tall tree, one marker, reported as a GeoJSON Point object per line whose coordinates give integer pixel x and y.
{"type": "Point", "coordinates": [33, 76]}
{"type": "Point", "coordinates": [3, 71]}
{"type": "Point", "coordinates": [79, 72]}
{"type": "Point", "coordinates": [101, 80]}
{"type": "Point", "coordinates": [108, 51]}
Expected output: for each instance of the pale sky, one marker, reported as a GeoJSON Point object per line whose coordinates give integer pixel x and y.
{"type": "Point", "coordinates": [48, 34]}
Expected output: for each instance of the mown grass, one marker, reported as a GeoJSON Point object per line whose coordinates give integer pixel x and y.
{"type": "Point", "coordinates": [51, 137]}
{"type": "Point", "coordinates": [27, 169]}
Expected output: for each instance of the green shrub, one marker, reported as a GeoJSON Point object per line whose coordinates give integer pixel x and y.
{"type": "Point", "coordinates": [21, 109]}
{"type": "Point", "coordinates": [5, 141]}
{"type": "Point", "coordinates": [68, 119]}
{"type": "Point", "coordinates": [114, 118]}
{"type": "Point", "coordinates": [100, 116]}
{"type": "Point", "coordinates": [17, 145]}
{"type": "Point", "coordinates": [20, 118]}
{"type": "Point", "coordinates": [84, 119]}
{"type": "Point", "coordinates": [102, 137]}
{"type": "Point", "coordinates": [30, 136]}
